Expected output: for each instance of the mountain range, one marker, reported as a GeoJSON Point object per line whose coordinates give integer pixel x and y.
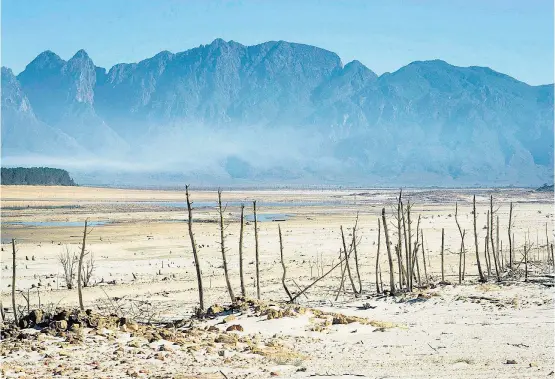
{"type": "Point", "coordinates": [277, 112]}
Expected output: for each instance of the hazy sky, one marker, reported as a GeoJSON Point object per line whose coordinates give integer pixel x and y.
{"type": "Point", "coordinates": [514, 37]}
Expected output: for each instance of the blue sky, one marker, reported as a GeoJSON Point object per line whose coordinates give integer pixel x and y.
{"type": "Point", "coordinates": [513, 37]}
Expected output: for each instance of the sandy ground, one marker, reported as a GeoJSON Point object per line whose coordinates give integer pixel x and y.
{"type": "Point", "coordinates": [144, 247]}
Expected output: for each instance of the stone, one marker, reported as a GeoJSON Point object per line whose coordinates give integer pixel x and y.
{"type": "Point", "coordinates": [60, 325]}
{"type": "Point", "coordinates": [235, 328]}
{"type": "Point", "coordinates": [229, 318]}
{"type": "Point", "coordinates": [214, 310]}
{"type": "Point", "coordinates": [36, 316]}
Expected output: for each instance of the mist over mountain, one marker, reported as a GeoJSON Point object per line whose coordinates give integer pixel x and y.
{"type": "Point", "coordinates": [277, 112]}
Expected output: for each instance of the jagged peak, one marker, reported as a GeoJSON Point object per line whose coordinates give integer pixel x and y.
{"type": "Point", "coordinates": [7, 71]}
{"type": "Point", "coordinates": [47, 56]}
{"type": "Point", "coordinates": [81, 54]}
{"type": "Point", "coordinates": [356, 65]}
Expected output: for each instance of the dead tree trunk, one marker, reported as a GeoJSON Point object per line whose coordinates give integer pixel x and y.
{"type": "Point", "coordinates": [241, 274]}
{"type": "Point", "coordinates": [389, 257]}
{"type": "Point", "coordinates": [480, 273]}
{"type": "Point", "coordinates": [194, 248]}
{"type": "Point", "coordinates": [399, 249]}
{"type": "Point", "coordinates": [493, 252]}
{"type": "Point", "coordinates": [356, 261]}
{"type": "Point", "coordinates": [80, 269]}
{"type": "Point", "coordinates": [510, 236]}
{"type": "Point", "coordinates": [378, 257]}
{"type": "Point", "coordinates": [257, 258]}
{"type": "Point", "coordinates": [316, 281]}
{"type": "Point", "coordinates": [283, 265]}
{"type": "Point", "coordinates": [222, 247]}
{"type": "Point", "coordinates": [348, 264]}
{"type": "Point", "coordinates": [13, 284]}
{"type": "Point", "coordinates": [497, 245]}
{"type": "Point", "coordinates": [442, 245]}
{"type": "Point", "coordinates": [342, 279]}
{"type": "Point", "coordinates": [415, 253]}
{"type": "Point", "coordinates": [526, 249]}
{"type": "Point", "coordinates": [552, 257]}
{"type": "Point", "coordinates": [424, 255]}
{"type": "Point", "coordinates": [462, 233]}
{"type": "Point", "coordinates": [410, 269]}
{"type": "Point", "coordinates": [461, 258]}
{"type": "Point", "coordinates": [486, 248]}
{"type": "Point", "coordinates": [407, 253]}
{"type": "Point", "coordinates": [547, 243]}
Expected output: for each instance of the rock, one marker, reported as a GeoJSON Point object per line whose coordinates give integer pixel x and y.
{"type": "Point", "coordinates": [59, 325]}
{"type": "Point", "coordinates": [274, 373]}
{"type": "Point", "coordinates": [134, 343]}
{"type": "Point", "coordinates": [511, 362]}
{"type": "Point", "coordinates": [63, 315]}
{"type": "Point", "coordinates": [212, 328]}
{"type": "Point", "coordinates": [123, 328]}
{"type": "Point", "coordinates": [132, 326]}
{"type": "Point", "coordinates": [229, 318]}
{"type": "Point", "coordinates": [23, 323]}
{"type": "Point", "coordinates": [235, 328]}
{"type": "Point", "coordinates": [274, 313]}
{"type": "Point", "coordinates": [36, 316]}
{"type": "Point", "coordinates": [339, 320]}
{"type": "Point", "coordinates": [214, 310]}
{"type": "Point", "coordinates": [533, 364]}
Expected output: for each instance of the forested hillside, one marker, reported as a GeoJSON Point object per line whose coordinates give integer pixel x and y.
{"type": "Point", "coordinates": [36, 176]}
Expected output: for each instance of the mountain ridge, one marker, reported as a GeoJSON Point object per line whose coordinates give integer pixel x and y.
{"type": "Point", "coordinates": [342, 121]}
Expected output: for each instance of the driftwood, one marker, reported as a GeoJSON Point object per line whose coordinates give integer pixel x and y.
{"type": "Point", "coordinates": [316, 281]}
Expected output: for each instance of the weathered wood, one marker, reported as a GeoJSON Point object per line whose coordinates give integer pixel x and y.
{"type": "Point", "coordinates": [347, 262]}
{"type": "Point", "coordinates": [378, 257]}
{"type": "Point", "coordinates": [493, 252]}
{"type": "Point", "coordinates": [283, 265]}
{"type": "Point", "coordinates": [222, 247]}
{"type": "Point", "coordinates": [80, 268]}
{"type": "Point", "coordinates": [510, 236]}
{"type": "Point", "coordinates": [462, 233]}
{"type": "Point", "coordinates": [480, 273]}
{"type": "Point", "coordinates": [389, 257]}
{"type": "Point", "coordinates": [13, 283]}
{"type": "Point", "coordinates": [241, 273]}
{"type": "Point", "coordinates": [316, 281]}
{"type": "Point", "coordinates": [256, 256]}
{"type": "Point", "coordinates": [356, 260]}
{"type": "Point", "coordinates": [442, 246]}
{"type": "Point", "coordinates": [194, 248]}
{"type": "Point", "coordinates": [424, 255]}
